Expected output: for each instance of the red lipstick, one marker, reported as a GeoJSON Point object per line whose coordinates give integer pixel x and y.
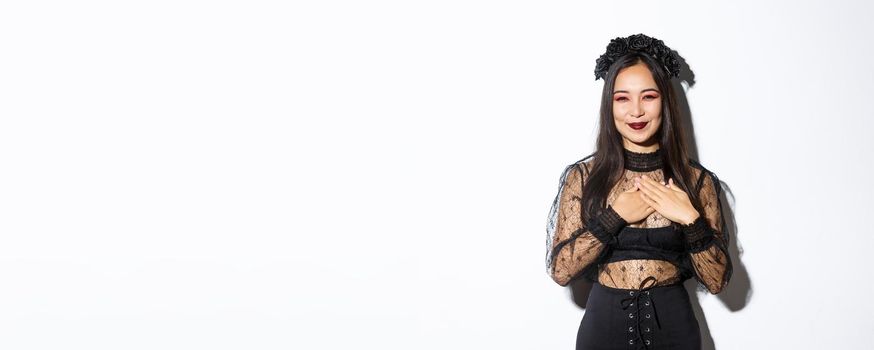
{"type": "Point", "coordinates": [637, 126]}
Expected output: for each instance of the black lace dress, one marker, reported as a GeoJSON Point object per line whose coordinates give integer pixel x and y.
{"type": "Point", "coordinates": [635, 266]}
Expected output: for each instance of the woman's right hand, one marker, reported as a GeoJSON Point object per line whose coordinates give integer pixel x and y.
{"type": "Point", "coordinates": [631, 206]}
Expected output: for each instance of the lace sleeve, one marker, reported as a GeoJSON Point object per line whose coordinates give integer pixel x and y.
{"type": "Point", "coordinates": [571, 245]}
{"type": "Point", "coordinates": [707, 239]}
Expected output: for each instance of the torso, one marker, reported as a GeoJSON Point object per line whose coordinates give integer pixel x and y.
{"type": "Point", "coordinates": [628, 274]}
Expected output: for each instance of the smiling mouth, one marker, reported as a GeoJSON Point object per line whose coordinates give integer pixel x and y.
{"type": "Point", "coordinates": [637, 126]}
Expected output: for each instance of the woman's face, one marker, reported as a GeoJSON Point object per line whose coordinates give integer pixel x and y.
{"type": "Point", "coordinates": [637, 102]}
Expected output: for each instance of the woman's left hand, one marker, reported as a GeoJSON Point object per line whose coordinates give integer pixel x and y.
{"type": "Point", "coordinates": [669, 200]}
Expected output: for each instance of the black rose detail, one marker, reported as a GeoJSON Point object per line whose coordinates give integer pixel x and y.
{"type": "Point", "coordinates": [601, 65]}
{"type": "Point", "coordinates": [617, 47]}
{"type": "Point", "coordinates": [639, 41]}
{"type": "Point", "coordinates": [672, 62]}
{"type": "Point", "coordinates": [658, 49]}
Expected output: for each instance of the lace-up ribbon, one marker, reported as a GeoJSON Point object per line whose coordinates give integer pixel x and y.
{"type": "Point", "coordinates": [639, 303]}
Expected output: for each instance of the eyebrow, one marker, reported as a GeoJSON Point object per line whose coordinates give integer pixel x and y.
{"type": "Point", "coordinates": [644, 90]}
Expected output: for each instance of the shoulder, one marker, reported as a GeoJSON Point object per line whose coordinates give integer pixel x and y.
{"type": "Point", "coordinates": [703, 176]}
{"type": "Point", "coordinates": [585, 164]}
{"type": "Point", "coordinates": [577, 170]}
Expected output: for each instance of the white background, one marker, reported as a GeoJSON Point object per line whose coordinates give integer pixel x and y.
{"type": "Point", "coordinates": [377, 175]}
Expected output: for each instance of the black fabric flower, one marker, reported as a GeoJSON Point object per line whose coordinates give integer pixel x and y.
{"type": "Point", "coordinates": [617, 47]}
{"type": "Point", "coordinates": [672, 62]}
{"type": "Point", "coordinates": [659, 50]}
{"type": "Point", "coordinates": [638, 42]}
{"type": "Point", "coordinates": [601, 66]}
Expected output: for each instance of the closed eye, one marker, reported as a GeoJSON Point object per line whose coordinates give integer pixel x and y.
{"type": "Point", "coordinates": [647, 97]}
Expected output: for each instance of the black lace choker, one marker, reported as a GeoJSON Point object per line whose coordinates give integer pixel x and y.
{"type": "Point", "coordinates": [642, 161]}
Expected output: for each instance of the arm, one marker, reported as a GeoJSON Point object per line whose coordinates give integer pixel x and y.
{"type": "Point", "coordinates": [572, 245]}
{"type": "Point", "coordinates": [706, 238]}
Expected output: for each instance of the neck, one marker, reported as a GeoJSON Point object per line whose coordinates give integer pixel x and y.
{"type": "Point", "coordinates": [642, 161]}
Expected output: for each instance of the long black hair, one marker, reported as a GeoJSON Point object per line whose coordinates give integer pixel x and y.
{"type": "Point", "coordinates": [608, 162]}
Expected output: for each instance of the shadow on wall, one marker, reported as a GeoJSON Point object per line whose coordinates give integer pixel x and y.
{"type": "Point", "coordinates": [738, 292]}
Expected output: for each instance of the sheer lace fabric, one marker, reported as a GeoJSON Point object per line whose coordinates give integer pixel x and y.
{"type": "Point", "coordinates": [576, 249]}
{"type": "Point", "coordinates": [710, 254]}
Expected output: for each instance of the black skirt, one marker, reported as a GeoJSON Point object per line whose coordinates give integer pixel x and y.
{"type": "Point", "coordinates": [646, 318]}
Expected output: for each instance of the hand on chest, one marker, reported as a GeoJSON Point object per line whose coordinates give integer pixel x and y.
{"type": "Point", "coordinates": [627, 182]}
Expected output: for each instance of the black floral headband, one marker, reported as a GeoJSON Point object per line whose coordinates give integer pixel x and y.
{"type": "Point", "coordinates": [637, 42]}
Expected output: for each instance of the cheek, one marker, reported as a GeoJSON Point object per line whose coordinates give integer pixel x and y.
{"type": "Point", "coordinates": [654, 108]}
{"type": "Point", "coordinates": [619, 125]}
{"type": "Point", "coordinates": [618, 120]}
{"type": "Point", "coordinates": [617, 109]}
{"type": "Point", "coordinates": [618, 113]}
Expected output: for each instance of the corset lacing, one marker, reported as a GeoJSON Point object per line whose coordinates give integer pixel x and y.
{"type": "Point", "coordinates": [642, 312]}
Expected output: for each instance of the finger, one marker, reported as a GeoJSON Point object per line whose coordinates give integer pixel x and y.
{"type": "Point", "coordinates": [647, 186]}
{"type": "Point", "coordinates": [657, 185]}
{"type": "Point", "coordinates": [640, 187]}
{"type": "Point", "coordinates": [675, 187]}
{"type": "Point", "coordinates": [649, 211]}
{"type": "Point", "coordinates": [644, 188]}
{"type": "Point", "coordinates": [646, 182]}
{"type": "Point", "coordinates": [646, 198]}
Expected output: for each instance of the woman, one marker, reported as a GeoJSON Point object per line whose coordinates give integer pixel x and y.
{"type": "Point", "coordinates": [637, 217]}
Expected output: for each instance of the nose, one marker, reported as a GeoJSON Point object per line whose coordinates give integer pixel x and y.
{"type": "Point", "coordinates": [636, 109]}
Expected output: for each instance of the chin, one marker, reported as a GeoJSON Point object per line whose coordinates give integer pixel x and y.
{"type": "Point", "coordinates": [639, 139]}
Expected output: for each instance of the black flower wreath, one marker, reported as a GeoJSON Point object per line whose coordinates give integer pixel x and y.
{"type": "Point", "coordinates": [637, 42]}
